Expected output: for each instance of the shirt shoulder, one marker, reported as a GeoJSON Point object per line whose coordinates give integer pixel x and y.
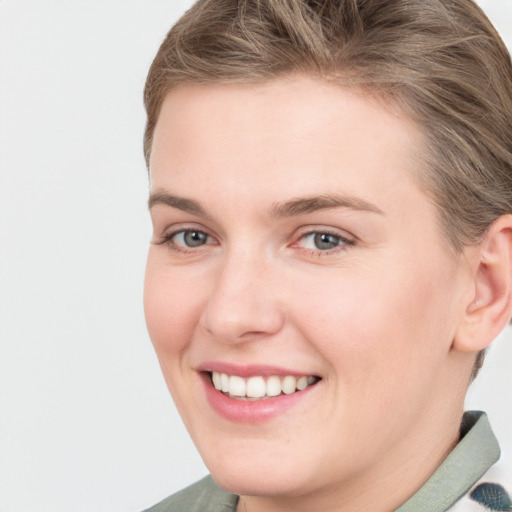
{"type": "Point", "coordinates": [203, 496]}
{"type": "Point", "coordinates": [469, 462]}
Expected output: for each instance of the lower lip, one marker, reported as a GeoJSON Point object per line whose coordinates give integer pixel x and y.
{"type": "Point", "coordinates": [256, 411]}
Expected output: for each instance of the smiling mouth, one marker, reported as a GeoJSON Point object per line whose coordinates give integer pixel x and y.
{"type": "Point", "coordinates": [259, 387]}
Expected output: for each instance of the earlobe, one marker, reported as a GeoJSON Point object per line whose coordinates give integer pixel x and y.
{"type": "Point", "coordinates": [490, 307]}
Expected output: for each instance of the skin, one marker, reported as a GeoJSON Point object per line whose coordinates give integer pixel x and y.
{"type": "Point", "coordinates": [375, 317]}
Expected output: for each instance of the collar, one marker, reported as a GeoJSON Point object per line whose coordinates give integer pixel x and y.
{"type": "Point", "coordinates": [476, 452]}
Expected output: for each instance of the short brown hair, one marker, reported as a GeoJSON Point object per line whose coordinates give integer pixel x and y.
{"type": "Point", "coordinates": [440, 61]}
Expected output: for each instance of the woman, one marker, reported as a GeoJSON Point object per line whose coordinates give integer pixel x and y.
{"type": "Point", "coordinates": [331, 196]}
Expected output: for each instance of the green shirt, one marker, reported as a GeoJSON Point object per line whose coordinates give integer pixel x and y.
{"type": "Point", "coordinates": [475, 453]}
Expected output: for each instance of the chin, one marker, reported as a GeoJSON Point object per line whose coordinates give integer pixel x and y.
{"type": "Point", "coordinates": [249, 483]}
{"type": "Point", "coordinates": [261, 475]}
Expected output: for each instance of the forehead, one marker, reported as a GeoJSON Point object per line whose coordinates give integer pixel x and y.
{"type": "Point", "coordinates": [283, 108]}
{"type": "Point", "coordinates": [288, 135]}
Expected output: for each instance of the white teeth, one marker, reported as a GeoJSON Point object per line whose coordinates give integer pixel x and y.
{"type": "Point", "coordinates": [302, 383]}
{"type": "Point", "coordinates": [289, 384]}
{"type": "Point", "coordinates": [237, 386]}
{"type": "Point", "coordinates": [259, 387]}
{"type": "Point", "coordinates": [217, 380]}
{"type": "Point", "coordinates": [224, 382]}
{"type": "Point", "coordinates": [256, 387]}
{"type": "Point", "coordinates": [273, 386]}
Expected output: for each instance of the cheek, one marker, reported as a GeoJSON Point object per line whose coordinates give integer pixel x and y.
{"type": "Point", "coordinates": [172, 308]}
{"type": "Point", "coordinates": [380, 329]}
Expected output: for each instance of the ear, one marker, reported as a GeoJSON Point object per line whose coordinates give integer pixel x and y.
{"type": "Point", "coordinates": [490, 307]}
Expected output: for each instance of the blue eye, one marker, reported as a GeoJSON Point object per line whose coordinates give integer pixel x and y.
{"type": "Point", "coordinates": [323, 241]}
{"type": "Point", "coordinates": [190, 238]}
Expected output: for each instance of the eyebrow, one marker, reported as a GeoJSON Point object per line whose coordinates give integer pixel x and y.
{"type": "Point", "coordinates": [291, 208]}
{"type": "Point", "coordinates": [305, 205]}
{"type": "Point", "coordinates": [180, 203]}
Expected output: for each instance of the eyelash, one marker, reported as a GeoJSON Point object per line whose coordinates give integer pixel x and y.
{"type": "Point", "coordinates": [343, 242]}
{"type": "Point", "coordinates": [168, 240]}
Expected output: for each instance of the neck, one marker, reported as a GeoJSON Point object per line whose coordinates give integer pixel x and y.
{"type": "Point", "coordinates": [383, 486]}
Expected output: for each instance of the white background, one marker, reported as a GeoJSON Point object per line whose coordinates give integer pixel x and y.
{"type": "Point", "coordinates": [86, 423]}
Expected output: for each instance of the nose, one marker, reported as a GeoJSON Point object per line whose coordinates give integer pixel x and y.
{"type": "Point", "coordinates": [244, 303]}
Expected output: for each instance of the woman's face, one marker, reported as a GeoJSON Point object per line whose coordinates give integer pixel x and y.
{"type": "Point", "coordinates": [293, 247]}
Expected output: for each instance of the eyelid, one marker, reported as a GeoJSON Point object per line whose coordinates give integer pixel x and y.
{"type": "Point", "coordinates": [181, 235]}
{"type": "Point", "coordinates": [168, 235]}
{"type": "Point", "coordinates": [346, 238]}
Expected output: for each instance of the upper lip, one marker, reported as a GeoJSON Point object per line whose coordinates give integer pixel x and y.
{"type": "Point", "coordinates": [249, 370]}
